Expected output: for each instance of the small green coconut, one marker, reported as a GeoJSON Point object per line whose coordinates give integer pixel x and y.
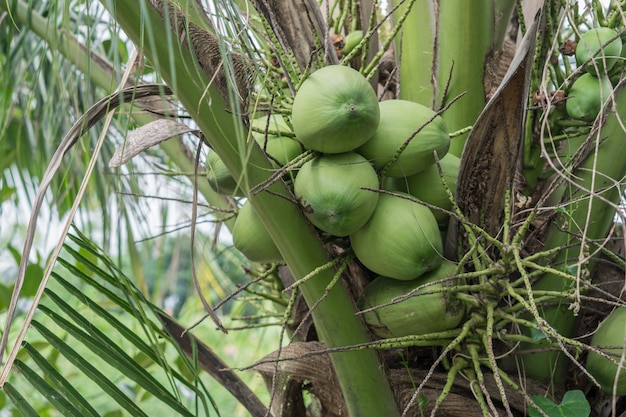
{"type": "Point", "coordinates": [219, 176]}
{"type": "Point", "coordinates": [586, 97]}
{"type": "Point", "coordinates": [401, 120]}
{"type": "Point", "coordinates": [281, 149]}
{"type": "Point", "coordinates": [591, 42]}
{"type": "Point", "coordinates": [426, 311]}
{"type": "Point", "coordinates": [252, 239]}
{"type": "Point", "coordinates": [351, 40]}
{"type": "Point", "coordinates": [401, 240]}
{"type": "Point", "coordinates": [278, 146]}
{"type": "Point", "coordinates": [329, 189]}
{"type": "Point", "coordinates": [274, 123]}
{"type": "Point", "coordinates": [335, 110]}
{"type": "Point", "coordinates": [610, 333]}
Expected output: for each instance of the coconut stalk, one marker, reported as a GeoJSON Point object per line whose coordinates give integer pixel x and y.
{"type": "Point", "coordinates": [588, 202]}
{"type": "Point", "coordinates": [442, 49]}
{"type": "Point", "coordinates": [362, 379]}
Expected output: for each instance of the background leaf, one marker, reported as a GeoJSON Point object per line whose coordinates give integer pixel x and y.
{"type": "Point", "coordinates": [574, 404]}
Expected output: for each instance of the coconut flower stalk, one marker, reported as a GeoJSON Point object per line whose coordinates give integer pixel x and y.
{"type": "Point", "coordinates": [587, 203]}
{"type": "Point", "coordinates": [362, 379]}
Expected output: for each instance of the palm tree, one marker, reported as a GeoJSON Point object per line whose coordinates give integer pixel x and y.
{"type": "Point", "coordinates": [531, 215]}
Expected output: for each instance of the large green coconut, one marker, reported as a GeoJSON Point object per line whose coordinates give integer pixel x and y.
{"type": "Point", "coordinates": [399, 121]}
{"type": "Point", "coordinates": [610, 333]}
{"type": "Point", "coordinates": [427, 311]}
{"type": "Point", "coordinates": [329, 189]}
{"type": "Point", "coordinates": [427, 185]}
{"type": "Point", "coordinates": [586, 97]}
{"type": "Point", "coordinates": [591, 43]}
{"type": "Point", "coordinates": [335, 110]}
{"type": "Point", "coordinates": [251, 237]}
{"type": "Point", "coordinates": [401, 240]}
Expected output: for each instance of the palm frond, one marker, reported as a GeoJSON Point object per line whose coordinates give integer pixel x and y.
{"type": "Point", "coordinates": [93, 342]}
{"type": "Point", "coordinates": [21, 404]}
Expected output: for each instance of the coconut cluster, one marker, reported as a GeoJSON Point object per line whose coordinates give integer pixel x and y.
{"type": "Point", "coordinates": [598, 51]}
{"type": "Point", "coordinates": [362, 143]}
{"type": "Point", "coordinates": [362, 146]}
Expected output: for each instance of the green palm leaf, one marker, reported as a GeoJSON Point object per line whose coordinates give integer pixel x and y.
{"type": "Point", "coordinates": [63, 385]}
{"type": "Point", "coordinates": [107, 386]}
{"type": "Point", "coordinates": [21, 404]}
{"type": "Point", "coordinates": [108, 346]}
{"type": "Point", "coordinates": [58, 401]}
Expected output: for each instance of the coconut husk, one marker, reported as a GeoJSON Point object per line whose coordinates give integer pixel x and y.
{"type": "Point", "coordinates": [388, 76]}
{"type": "Point", "coordinates": [311, 373]}
{"type": "Point", "coordinates": [311, 370]}
{"type": "Point", "coordinates": [497, 65]}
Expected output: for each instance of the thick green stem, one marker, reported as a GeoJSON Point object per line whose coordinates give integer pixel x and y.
{"type": "Point", "coordinates": [362, 378]}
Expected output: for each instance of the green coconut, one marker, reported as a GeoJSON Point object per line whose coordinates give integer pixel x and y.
{"type": "Point", "coordinates": [281, 149]}
{"type": "Point", "coordinates": [427, 185]}
{"type": "Point", "coordinates": [427, 311]}
{"type": "Point", "coordinates": [401, 240]}
{"type": "Point", "coordinates": [586, 97]}
{"type": "Point", "coordinates": [591, 42]}
{"type": "Point", "coordinates": [351, 40]}
{"type": "Point", "coordinates": [329, 189]}
{"type": "Point", "coordinates": [610, 333]}
{"type": "Point", "coordinates": [399, 121]}
{"type": "Point", "coordinates": [335, 110]}
{"type": "Point", "coordinates": [274, 123]}
{"type": "Point", "coordinates": [219, 176]}
{"type": "Point", "coordinates": [251, 237]}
